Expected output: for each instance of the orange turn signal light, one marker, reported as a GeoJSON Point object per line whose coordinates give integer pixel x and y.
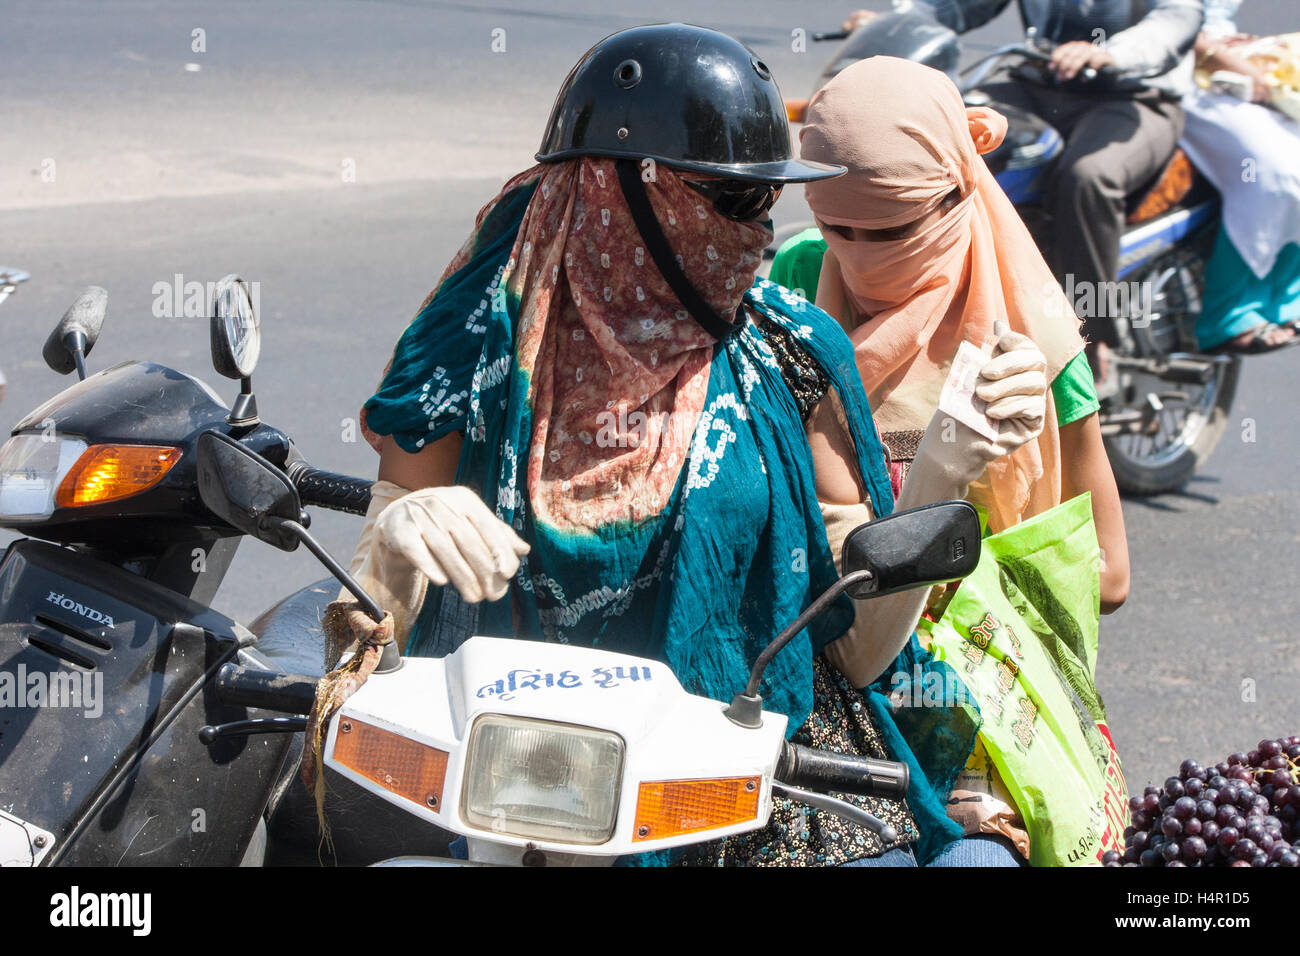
{"type": "Point", "coordinates": [796, 110]}
{"type": "Point", "coordinates": [110, 472]}
{"type": "Point", "coordinates": [667, 808]}
{"type": "Point", "coordinates": [400, 765]}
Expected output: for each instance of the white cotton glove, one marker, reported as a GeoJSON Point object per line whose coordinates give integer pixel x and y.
{"type": "Point", "coordinates": [881, 626]}
{"type": "Point", "coordinates": [1014, 383]}
{"type": "Point", "coordinates": [395, 584]}
{"type": "Point", "coordinates": [952, 455]}
{"type": "Point", "coordinates": [452, 537]}
{"type": "Point", "coordinates": [394, 563]}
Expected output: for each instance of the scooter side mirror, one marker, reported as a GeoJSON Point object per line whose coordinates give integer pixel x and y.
{"type": "Point", "coordinates": [909, 549]}
{"type": "Point", "coordinates": [75, 335]}
{"type": "Point", "coordinates": [919, 547]}
{"type": "Point", "coordinates": [247, 491]}
{"type": "Point", "coordinates": [252, 495]}
{"type": "Point", "coordinates": [236, 337]}
{"type": "Point", "coordinates": [235, 330]}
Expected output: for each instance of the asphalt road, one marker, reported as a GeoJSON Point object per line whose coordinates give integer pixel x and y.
{"type": "Point", "coordinates": [336, 152]}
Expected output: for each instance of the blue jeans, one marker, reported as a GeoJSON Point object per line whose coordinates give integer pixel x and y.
{"type": "Point", "coordinates": [979, 850]}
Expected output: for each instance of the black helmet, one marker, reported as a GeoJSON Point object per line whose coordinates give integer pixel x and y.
{"type": "Point", "coordinates": [687, 97]}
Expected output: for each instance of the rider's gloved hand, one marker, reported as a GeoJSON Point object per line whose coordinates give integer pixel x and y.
{"type": "Point", "coordinates": [394, 561]}
{"type": "Point", "coordinates": [452, 537]}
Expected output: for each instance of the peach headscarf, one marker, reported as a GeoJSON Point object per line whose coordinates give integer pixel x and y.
{"type": "Point", "coordinates": [908, 141]}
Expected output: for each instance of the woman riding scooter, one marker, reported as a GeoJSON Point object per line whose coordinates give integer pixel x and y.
{"type": "Point", "coordinates": [923, 252]}
{"type": "Point", "coordinates": [597, 432]}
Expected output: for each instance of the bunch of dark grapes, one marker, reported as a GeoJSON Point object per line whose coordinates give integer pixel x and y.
{"type": "Point", "coordinates": [1242, 812]}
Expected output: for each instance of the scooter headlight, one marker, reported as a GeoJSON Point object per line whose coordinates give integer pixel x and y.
{"type": "Point", "coordinates": [544, 780]}
{"type": "Point", "coordinates": [32, 466]}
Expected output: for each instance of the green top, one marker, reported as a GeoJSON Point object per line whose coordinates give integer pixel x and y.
{"type": "Point", "coordinates": [798, 265]}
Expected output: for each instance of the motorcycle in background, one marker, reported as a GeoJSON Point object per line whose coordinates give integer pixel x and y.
{"type": "Point", "coordinates": [1173, 402]}
{"type": "Point", "coordinates": [138, 726]}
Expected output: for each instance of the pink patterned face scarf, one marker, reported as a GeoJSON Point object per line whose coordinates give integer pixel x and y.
{"type": "Point", "coordinates": [617, 368]}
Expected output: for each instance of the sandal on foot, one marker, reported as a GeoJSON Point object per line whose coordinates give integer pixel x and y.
{"type": "Point", "coordinates": [1258, 343]}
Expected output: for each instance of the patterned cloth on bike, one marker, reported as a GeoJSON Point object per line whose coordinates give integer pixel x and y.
{"type": "Point", "coordinates": [662, 479]}
{"type": "Point", "coordinates": [908, 141]}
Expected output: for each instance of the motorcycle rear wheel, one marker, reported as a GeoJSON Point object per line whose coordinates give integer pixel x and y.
{"type": "Point", "coordinates": [1186, 435]}
{"type": "Point", "coordinates": [1183, 421]}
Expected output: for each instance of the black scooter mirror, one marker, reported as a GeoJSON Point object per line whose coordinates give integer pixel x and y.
{"type": "Point", "coordinates": [252, 495]}
{"type": "Point", "coordinates": [235, 329]}
{"type": "Point", "coordinates": [919, 547]}
{"type": "Point", "coordinates": [908, 549]}
{"type": "Point", "coordinates": [247, 491]}
{"type": "Point", "coordinates": [75, 335]}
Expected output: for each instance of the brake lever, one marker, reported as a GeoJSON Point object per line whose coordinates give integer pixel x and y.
{"type": "Point", "coordinates": [210, 733]}
{"type": "Point", "coordinates": [841, 809]}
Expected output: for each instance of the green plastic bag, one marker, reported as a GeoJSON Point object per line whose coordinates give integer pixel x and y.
{"type": "Point", "coordinates": [1021, 631]}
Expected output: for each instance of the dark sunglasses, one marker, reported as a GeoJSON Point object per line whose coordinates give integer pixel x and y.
{"type": "Point", "coordinates": [739, 201]}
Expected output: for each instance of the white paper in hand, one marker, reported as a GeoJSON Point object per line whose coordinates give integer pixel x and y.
{"type": "Point", "coordinates": [958, 397]}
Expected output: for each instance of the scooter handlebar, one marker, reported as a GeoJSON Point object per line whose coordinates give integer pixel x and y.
{"type": "Point", "coordinates": [824, 772]}
{"type": "Point", "coordinates": [326, 489]}
{"type": "Point", "coordinates": [265, 690]}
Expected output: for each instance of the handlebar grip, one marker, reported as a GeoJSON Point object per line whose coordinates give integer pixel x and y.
{"type": "Point", "coordinates": [824, 772]}
{"type": "Point", "coordinates": [831, 35]}
{"type": "Point", "coordinates": [325, 489]}
{"type": "Point", "coordinates": [265, 690]}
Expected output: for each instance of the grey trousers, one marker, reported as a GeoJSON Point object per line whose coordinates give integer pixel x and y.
{"type": "Point", "coordinates": [1114, 146]}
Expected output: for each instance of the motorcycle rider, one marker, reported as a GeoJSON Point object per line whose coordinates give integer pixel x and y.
{"type": "Point", "coordinates": [597, 432]}
{"type": "Point", "coordinates": [1116, 141]}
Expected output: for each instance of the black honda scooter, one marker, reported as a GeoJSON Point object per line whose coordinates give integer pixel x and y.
{"type": "Point", "coordinates": [109, 650]}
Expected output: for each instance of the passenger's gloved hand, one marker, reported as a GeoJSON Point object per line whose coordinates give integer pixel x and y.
{"type": "Point", "coordinates": [1014, 383]}
{"type": "Point", "coordinates": [452, 537]}
{"type": "Point", "coordinates": [951, 455]}
{"type": "Point", "coordinates": [882, 626]}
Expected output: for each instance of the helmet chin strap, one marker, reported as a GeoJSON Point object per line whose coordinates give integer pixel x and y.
{"type": "Point", "coordinates": [629, 179]}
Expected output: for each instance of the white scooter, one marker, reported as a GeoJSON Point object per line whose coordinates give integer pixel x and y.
{"type": "Point", "coordinates": [550, 754]}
